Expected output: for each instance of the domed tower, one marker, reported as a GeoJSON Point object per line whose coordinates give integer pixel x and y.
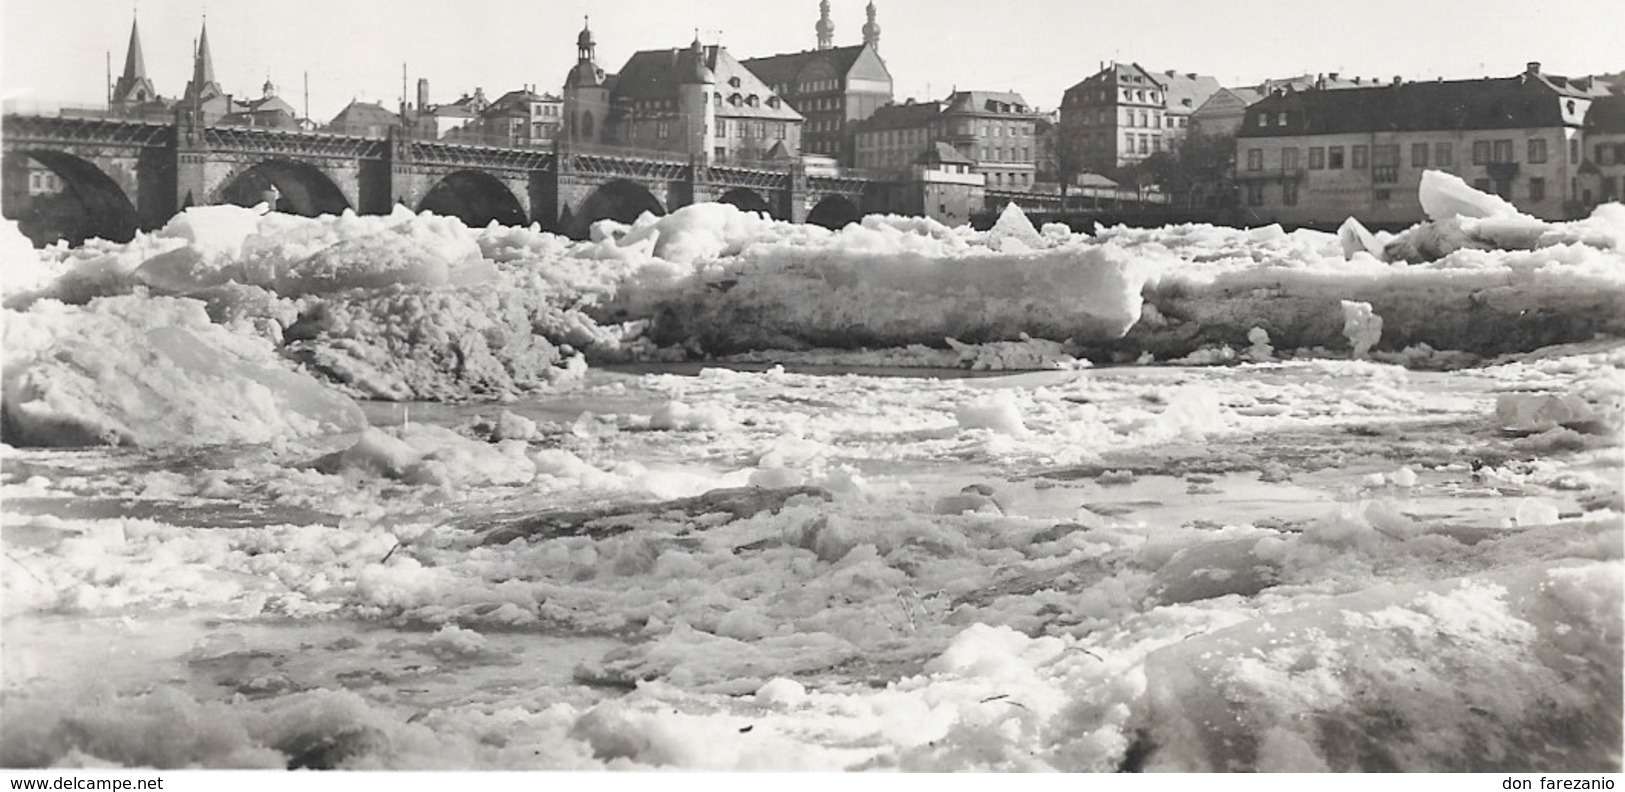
{"type": "Point", "coordinates": [825, 27]}
{"type": "Point", "coordinates": [871, 29]}
{"type": "Point", "coordinates": [586, 96]}
{"type": "Point", "coordinates": [696, 100]}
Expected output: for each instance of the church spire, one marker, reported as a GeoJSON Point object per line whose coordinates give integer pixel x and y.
{"type": "Point", "coordinates": [825, 27]}
{"type": "Point", "coordinates": [203, 62]}
{"type": "Point", "coordinates": [135, 64]}
{"type": "Point", "coordinates": [133, 87]}
{"type": "Point", "coordinates": [203, 88]}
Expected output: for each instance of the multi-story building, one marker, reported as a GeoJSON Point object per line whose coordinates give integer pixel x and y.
{"type": "Point", "coordinates": [1221, 114]}
{"type": "Point", "coordinates": [831, 87]}
{"type": "Point", "coordinates": [896, 135]}
{"type": "Point", "coordinates": [994, 131]}
{"type": "Point", "coordinates": [1602, 175]}
{"type": "Point", "coordinates": [1125, 113]}
{"type": "Point", "coordinates": [1316, 157]}
{"type": "Point", "coordinates": [522, 118]}
{"type": "Point", "coordinates": [699, 101]}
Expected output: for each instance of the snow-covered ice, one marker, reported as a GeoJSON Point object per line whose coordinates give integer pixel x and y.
{"type": "Point", "coordinates": [1380, 529]}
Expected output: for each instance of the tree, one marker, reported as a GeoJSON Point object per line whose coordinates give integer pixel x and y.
{"type": "Point", "coordinates": [1198, 174]}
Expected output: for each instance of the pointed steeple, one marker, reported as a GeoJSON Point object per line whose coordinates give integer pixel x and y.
{"type": "Point", "coordinates": [203, 63]}
{"type": "Point", "coordinates": [133, 87]}
{"type": "Point", "coordinates": [203, 89]}
{"type": "Point", "coordinates": [135, 64]}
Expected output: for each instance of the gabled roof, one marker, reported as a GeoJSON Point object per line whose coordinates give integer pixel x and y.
{"type": "Point", "coordinates": [1525, 101]}
{"type": "Point", "coordinates": [783, 69]}
{"type": "Point", "coordinates": [656, 75]}
{"type": "Point", "coordinates": [987, 102]}
{"type": "Point", "coordinates": [1129, 74]}
{"type": "Point", "coordinates": [364, 114]}
{"type": "Point", "coordinates": [1186, 92]}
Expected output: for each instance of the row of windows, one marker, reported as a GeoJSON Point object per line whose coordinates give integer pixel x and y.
{"type": "Point", "coordinates": [1002, 154]}
{"type": "Point", "coordinates": [1005, 130]}
{"type": "Point", "coordinates": [815, 86]}
{"type": "Point", "coordinates": [1384, 156]}
{"type": "Point", "coordinates": [1011, 179]}
{"type": "Point", "coordinates": [821, 103]}
{"type": "Point", "coordinates": [1536, 191]}
{"type": "Point", "coordinates": [1609, 154]}
{"type": "Point", "coordinates": [893, 137]}
{"type": "Point", "coordinates": [1142, 142]}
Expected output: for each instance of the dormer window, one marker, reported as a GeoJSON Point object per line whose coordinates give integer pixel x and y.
{"type": "Point", "coordinates": [751, 100]}
{"type": "Point", "coordinates": [734, 100]}
{"type": "Point", "coordinates": [733, 81]}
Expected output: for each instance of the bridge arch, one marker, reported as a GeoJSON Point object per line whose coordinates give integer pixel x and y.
{"type": "Point", "coordinates": [834, 212]}
{"type": "Point", "coordinates": [85, 203]}
{"type": "Point", "coordinates": [746, 199]}
{"type": "Point", "coordinates": [620, 200]}
{"type": "Point", "coordinates": [302, 188]}
{"type": "Point", "coordinates": [476, 198]}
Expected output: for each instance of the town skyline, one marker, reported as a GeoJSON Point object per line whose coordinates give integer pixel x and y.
{"type": "Point", "coordinates": [924, 44]}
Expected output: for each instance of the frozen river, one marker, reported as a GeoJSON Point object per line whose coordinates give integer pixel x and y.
{"type": "Point", "coordinates": [1303, 565]}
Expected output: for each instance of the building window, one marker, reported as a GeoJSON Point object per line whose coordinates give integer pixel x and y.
{"type": "Point", "coordinates": [662, 130]}
{"type": "Point", "coordinates": [1289, 159]}
{"type": "Point", "coordinates": [1574, 150]}
{"type": "Point", "coordinates": [1503, 151]}
{"type": "Point", "coordinates": [1317, 158]}
{"type": "Point", "coordinates": [1419, 155]}
{"type": "Point", "coordinates": [1537, 150]}
{"type": "Point", "coordinates": [1255, 194]}
{"type": "Point", "coordinates": [1334, 157]}
{"type": "Point", "coordinates": [1481, 152]}
{"type": "Point", "coordinates": [1145, 144]}
{"type": "Point", "coordinates": [1289, 193]}
{"type": "Point", "coordinates": [1444, 155]}
{"type": "Point", "coordinates": [1359, 156]}
{"type": "Point", "coordinates": [1537, 188]}
{"type": "Point", "coordinates": [1255, 159]}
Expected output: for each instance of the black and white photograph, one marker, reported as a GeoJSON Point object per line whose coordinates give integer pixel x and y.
{"type": "Point", "coordinates": [830, 386]}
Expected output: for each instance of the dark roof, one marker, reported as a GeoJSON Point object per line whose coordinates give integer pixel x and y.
{"type": "Point", "coordinates": [657, 74]}
{"type": "Point", "coordinates": [783, 69]}
{"type": "Point", "coordinates": [1607, 115]}
{"type": "Point", "coordinates": [900, 116]}
{"type": "Point", "coordinates": [987, 102]}
{"type": "Point", "coordinates": [364, 114]}
{"type": "Point", "coordinates": [1525, 101]}
{"type": "Point", "coordinates": [944, 154]}
{"type": "Point", "coordinates": [1186, 92]}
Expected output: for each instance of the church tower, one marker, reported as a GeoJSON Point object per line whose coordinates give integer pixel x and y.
{"type": "Point", "coordinates": [203, 92]}
{"type": "Point", "coordinates": [871, 29]}
{"type": "Point", "coordinates": [825, 27]}
{"type": "Point", "coordinates": [133, 87]}
{"type": "Point", "coordinates": [586, 95]}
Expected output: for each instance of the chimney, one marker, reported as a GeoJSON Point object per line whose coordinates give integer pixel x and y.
{"type": "Point", "coordinates": [1533, 68]}
{"type": "Point", "coordinates": [1331, 76]}
{"type": "Point", "coordinates": [1357, 81]}
{"type": "Point", "coordinates": [423, 93]}
{"type": "Point", "coordinates": [1397, 80]}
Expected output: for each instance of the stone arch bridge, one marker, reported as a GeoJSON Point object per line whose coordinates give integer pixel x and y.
{"type": "Point", "coordinates": [121, 176]}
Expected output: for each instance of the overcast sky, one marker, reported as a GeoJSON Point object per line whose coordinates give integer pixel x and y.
{"type": "Point", "coordinates": [55, 50]}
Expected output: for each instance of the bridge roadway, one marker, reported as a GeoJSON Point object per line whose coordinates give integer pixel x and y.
{"type": "Point", "coordinates": [126, 175]}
